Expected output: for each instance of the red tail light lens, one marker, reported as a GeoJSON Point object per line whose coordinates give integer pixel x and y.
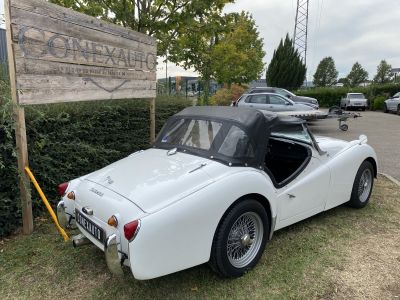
{"type": "Point", "coordinates": [62, 188]}
{"type": "Point", "coordinates": [131, 229]}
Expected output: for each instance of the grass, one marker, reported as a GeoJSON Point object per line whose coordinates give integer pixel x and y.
{"type": "Point", "coordinates": [301, 262]}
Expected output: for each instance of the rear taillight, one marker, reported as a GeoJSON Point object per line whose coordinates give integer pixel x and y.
{"type": "Point", "coordinates": [62, 188]}
{"type": "Point", "coordinates": [131, 229]}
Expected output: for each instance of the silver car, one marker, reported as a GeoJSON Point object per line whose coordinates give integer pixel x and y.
{"type": "Point", "coordinates": [271, 102]}
{"type": "Point", "coordinates": [287, 94]}
{"type": "Point", "coordinates": [392, 104]}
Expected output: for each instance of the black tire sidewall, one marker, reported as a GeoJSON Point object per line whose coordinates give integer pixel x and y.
{"type": "Point", "coordinates": [355, 199]}
{"type": "Point", "coordinates": [220, 258]}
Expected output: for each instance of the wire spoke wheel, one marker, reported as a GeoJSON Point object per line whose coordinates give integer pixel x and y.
{"type": "Point", "coordinates": [245, 239]}
{"type": "Point", "coordinates": [365, 185]}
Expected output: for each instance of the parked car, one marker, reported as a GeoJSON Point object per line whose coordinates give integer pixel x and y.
{"type": "Point", "coordinates": [271, 102]}
{"type": "Point", "coordinates": [214, 187]}
{"type": "Point", "coordinates": [285, 93]}
{"type": "Point", "coordinates": [392, 104]}
{"type": "Point", "coordinates": [354, 100]}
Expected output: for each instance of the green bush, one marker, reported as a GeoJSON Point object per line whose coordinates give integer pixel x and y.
{"type": "Point", "coordinates": [330, 96]}
{"type": "Point", "coordinates": [69, 140]}
{"type": "Point", "coordinates": [225, 96]}
{"type": "Point", "coordinates": [377, 103]}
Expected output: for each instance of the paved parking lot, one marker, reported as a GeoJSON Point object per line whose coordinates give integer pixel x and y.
{"type": "Point", "coordinates": [383, 131]}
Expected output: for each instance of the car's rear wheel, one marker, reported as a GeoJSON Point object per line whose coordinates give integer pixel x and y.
{"type": "Point", "coordinates": [240, 239]}
{"type": "Point", "coordinates": [398, 110]}
{"type": "Point", "coordinates": [362, 186]}
{"type": "Point", "coordinates": [385, 110]}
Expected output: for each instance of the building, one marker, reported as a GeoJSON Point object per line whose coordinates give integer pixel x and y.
{"type": "Point", "coordinates": [184, 85]}
{"type": "Point", "coordinates": [258, 83]}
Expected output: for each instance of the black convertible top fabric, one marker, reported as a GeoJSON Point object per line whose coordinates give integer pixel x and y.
{"type": "Point", "coordinates": [256, 123]}
{"type": "Point", "coordinates": [246, 116]}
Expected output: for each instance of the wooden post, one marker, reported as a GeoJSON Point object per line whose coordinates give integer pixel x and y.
{"type": "Point", "coordinates": [20, 133]}
{"type": "Point", "coordinates": [152, 120]}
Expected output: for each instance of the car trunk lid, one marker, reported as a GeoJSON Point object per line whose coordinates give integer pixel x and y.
{"type": "Point", "coordinates": [153, 179]}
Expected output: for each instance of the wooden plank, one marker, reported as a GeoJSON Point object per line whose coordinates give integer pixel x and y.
{"type": "Point", "coordinates": [60, 13]}
{"type": "Point", "coordinates": [33, 22]}
{"type": "Point", "coordinates": [50, 96]}
{"type": "Point", "coordinates": [42, 67]}
{"type": "Point", "coordinates": [20, 134]}
{"type": "Point", "coordinates": [60, 83]}
{"type": "Point", "coordinates": [130, 62]}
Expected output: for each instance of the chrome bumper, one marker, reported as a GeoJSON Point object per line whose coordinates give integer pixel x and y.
{"type": "Point", "coordinates": [61, 216]}
{"type": "Point", "coordinates": [112, 258]}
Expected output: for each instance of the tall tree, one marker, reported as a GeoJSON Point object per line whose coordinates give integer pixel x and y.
{"type": "Point", "coordinates": [195, 45]}
{"type": "Point", "coordinates": [286, 69]}
{"type": "Point", "coordinates": [326, 73]}
{"type": "Point", "coordinates": [357, 75]}
{"type": "Point", "coordinates": [238, 56]}
{"type": "Point", "coordinates": [383, 73]}
{"type": "Point", "coordinates": [159, 18]}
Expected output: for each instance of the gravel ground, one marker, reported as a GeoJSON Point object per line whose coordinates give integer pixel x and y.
{"type": "Point", "coordinates": [383, 131]}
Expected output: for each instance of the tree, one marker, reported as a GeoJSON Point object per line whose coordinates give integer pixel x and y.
{"type": "Point", "coordinates": [357, 75]}
{"type": "Point", "coordinates": [195, 44]}
{"type": "Point", "coordinates": [286, 69]}
{"type": "Point", "coordinates": [326, 73]}
{"type": "Point", "coordinates": [238, 56]}
{"type": "Point", "coordinates": [383, 73]}
{"type": "Point", "coordinates": [344, 81]}
{"type": "Point", "coordinates": [159, 18]}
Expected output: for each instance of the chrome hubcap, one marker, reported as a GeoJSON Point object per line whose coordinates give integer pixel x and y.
{"type": "Point", "coordinates": [365, 185]}
{"type": "Point", "coordinates": [244, 239]}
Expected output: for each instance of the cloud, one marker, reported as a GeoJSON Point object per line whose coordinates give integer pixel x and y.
{"type": "Point", "coordinates": [348, 30]}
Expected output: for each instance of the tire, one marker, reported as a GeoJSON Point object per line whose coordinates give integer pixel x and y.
{"type": "Point", "coordinates": [363, 109]}
{"type": "Point", "coordinates": [250, 239]}
{"type": "Point", "coordinates": [362, 187]}
{"type": "Point", "coordinates": [344, 127]}
{"type": "Point", "coordinates": [385, 110]}
{"type": "Point", "coordinates": [398, 110]}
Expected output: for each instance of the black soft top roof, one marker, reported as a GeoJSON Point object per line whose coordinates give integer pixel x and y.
{"type": "Point", "coordinates": [257, 124]}
{"type": "Point", "coordinates": [248, 117]}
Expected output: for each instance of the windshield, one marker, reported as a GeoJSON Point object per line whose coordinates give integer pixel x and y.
{"type": "Point", "coordinates": [191, 133]}
{"type": "Point", "coordinates": [356, 96]}
{"type": "Point", "coordinates": [284, 93]}
{"type": "Point", "coordinates": [296, 132]}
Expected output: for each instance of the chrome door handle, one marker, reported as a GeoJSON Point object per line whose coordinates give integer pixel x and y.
{"type": "Point", "coordinates": [291, 196]}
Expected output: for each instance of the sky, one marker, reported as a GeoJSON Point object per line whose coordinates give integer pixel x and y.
{"type": "Point", "coordinates": [366, 31]}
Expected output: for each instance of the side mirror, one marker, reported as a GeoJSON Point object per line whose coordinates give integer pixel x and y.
{"type": "Point", "coordinates": [289, 96]}
{"type": "Point", "coordinates": [288, 103]}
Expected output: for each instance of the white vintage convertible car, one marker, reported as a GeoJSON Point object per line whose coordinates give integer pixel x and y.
{"type": "Point", "coordinates": [214, 187]}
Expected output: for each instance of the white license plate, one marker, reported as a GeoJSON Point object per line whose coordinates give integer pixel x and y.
{"type": "Point", "coordinates": [94, 230]}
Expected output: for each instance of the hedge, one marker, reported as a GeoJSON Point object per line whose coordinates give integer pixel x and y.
{"type": "Point", "coordinates": [69, 140]}
{"type": "Point", "coordinates": [331, 96]}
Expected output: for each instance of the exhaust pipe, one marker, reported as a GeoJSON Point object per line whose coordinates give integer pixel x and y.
{"type": "Point", "coordinates": [80, 240]}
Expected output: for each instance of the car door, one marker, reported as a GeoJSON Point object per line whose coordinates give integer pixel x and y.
{"type": "Point", "coordinates": [395, 101]}
{"type": "Point", "coordinates": [278, 103]}
{"type": "Point", "coordinates": [306, 195]}
{"type": "Point", "coordinates": [257, 101]}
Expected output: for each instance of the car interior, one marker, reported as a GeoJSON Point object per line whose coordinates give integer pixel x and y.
{"type": "Point", "coordinates": [285, 159]}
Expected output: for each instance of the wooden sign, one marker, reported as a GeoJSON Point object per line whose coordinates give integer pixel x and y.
{"type": "Point", "coordinates": [62, 56]}
{"type": "Point", "coordinates": [58, 55]}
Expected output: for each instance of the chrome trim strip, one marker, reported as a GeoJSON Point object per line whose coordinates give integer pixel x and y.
{"type": "Point", "coordinates": [61, 216]}
{"type": "Point", "coordinates": [273, 224]}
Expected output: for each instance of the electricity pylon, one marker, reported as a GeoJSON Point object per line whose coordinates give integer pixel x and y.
{"type": "Point", "coordinates": [300, 29]}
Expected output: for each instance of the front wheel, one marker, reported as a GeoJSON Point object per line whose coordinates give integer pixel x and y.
{"type": "Point", "coordinates": [362, 186]}
{"type": "Point", "coordinates": [385, 110]}
{"type": "Point", "coordinates": [398, 110]}
{"type": "Point", "coordinates": [240, 239]}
